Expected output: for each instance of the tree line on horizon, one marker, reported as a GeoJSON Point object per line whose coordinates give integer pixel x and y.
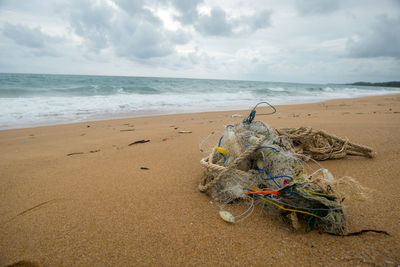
{"type": "Point", "coordinates": [384, 84]}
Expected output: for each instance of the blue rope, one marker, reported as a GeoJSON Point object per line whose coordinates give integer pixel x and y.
{"type": "Point", "coordinates": [251, 117]}
{"type": "Point", "coordinates": [219, 142]}
{"type": "Point", "coordinates": [273, 177]}
{"type": "Point", "coordinates": [252, 114]}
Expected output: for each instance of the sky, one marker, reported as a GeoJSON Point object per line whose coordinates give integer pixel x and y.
{"type": "Point", "coordinates": [307, 41]}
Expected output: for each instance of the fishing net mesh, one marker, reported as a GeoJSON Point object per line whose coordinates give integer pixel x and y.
{"type": "Point", "coordinates": [251, 158]}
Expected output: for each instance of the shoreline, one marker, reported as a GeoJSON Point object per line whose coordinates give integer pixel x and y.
{"type": "Point", "coordinates": [77, 194]}
{"type": "Point", "coordinates": [155, 113]}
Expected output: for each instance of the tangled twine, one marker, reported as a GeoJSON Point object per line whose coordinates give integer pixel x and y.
{"type": "Point", "coordinates": [321, 145]}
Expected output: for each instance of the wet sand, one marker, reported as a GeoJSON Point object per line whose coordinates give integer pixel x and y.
{"type": "Point", "coordinates": [79, 195]}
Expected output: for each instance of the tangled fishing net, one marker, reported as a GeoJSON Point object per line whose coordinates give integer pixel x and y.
{"type": "Point", "coordinates": [254, 162]}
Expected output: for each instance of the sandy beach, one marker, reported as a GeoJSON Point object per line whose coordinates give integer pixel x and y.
{"type": "Point", "coordinates": [79, 195]}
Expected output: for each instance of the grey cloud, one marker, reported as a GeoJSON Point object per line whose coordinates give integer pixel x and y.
{"type": "Point", "coordinates": [26, 36]}
{"type": "Point", "coordinates": [383, 40]}
{"type": "Point", "coordinates": [249, 24]}
{"type": "Point", "coordinates": [218, 23]}
{"type": "Point", "coordinates": [131, 30]}
{"type": "Point", "coordinates": [187, 9]}
{"type": "Point", "coordinates": [93, 23]}
{"type": "Point", "coordinates": [132, 7]}
{"type": "Point", "coordinates": [136, 9]}
{"type": "Point", "coordinates": [179, 37]}
{"type": "Point", "coordinates": [144, 42]}
{"type": "Point", "coordinates": [214, 24]}
{"type": "Point", "coordinates": [315, 7]}
{"type": "Point", "coordinates": [261, 19]}
{"type": "Point", "coordinates": [37, 6]}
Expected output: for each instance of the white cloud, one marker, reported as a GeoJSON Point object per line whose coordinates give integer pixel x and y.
{"type": "Point", "coordinates": [128, 28]}
{"type": "Point", "coordinates": [295, 40]}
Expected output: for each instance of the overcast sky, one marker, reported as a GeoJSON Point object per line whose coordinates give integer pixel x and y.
{"type": "Point", "coordinates": [318, 41]}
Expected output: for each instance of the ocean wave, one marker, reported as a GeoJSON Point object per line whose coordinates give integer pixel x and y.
{"type": "Point", "coordinates": [28, 100]}
{"type": "Point", "coordinates": [140, 90]}
{"type": "Point", "coordinates": [320, 89]}
{"type": "Point", "coordinates": [276, 89]}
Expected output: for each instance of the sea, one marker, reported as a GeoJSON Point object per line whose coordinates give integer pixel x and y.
{"type": "Point", "coordinates": [29, 100]}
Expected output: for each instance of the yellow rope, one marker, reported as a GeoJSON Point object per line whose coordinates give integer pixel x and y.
{"type": "Point", "coordinates": [281, 207]}
{"type": "Point", "coordinates": [316, 193]}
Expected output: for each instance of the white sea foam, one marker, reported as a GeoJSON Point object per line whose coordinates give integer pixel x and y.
{"type": "Point", "coordinates": [46, 104]}
{"type": "Point", "coordinates": [276, 89]}
{"type": "Point", "coordinates": [32, 111]}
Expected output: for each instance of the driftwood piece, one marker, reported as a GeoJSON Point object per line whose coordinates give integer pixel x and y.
{"type": "Point", "coordinates": [139, 142]}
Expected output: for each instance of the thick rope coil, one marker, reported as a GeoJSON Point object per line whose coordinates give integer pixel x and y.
{"type": "Point", "coordinates": [320, 145]}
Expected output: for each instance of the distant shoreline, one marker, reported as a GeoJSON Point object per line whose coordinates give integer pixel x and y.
{"type": "Point", "coordinates": [393, 84]}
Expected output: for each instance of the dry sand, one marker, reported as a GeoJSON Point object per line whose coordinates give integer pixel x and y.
{"type": "Point", "coordinates": [102, 209]}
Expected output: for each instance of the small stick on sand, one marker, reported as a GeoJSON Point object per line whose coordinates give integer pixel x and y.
{"type": "Point", "coordinates": [139, 142]}
{"type": "Point", "coordinates": [74, 153]}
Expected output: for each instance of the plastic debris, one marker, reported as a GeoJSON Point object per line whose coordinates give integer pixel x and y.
{"type": "Point", "coordinates": [227, 216]}
{"type": "Point", "coordinates": [236, 115]}
{"type": "Point", "coordinates": [222, 150]}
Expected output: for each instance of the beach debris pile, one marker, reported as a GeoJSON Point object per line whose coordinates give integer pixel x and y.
{"type": "Point", "coordinates": [255, 163]}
